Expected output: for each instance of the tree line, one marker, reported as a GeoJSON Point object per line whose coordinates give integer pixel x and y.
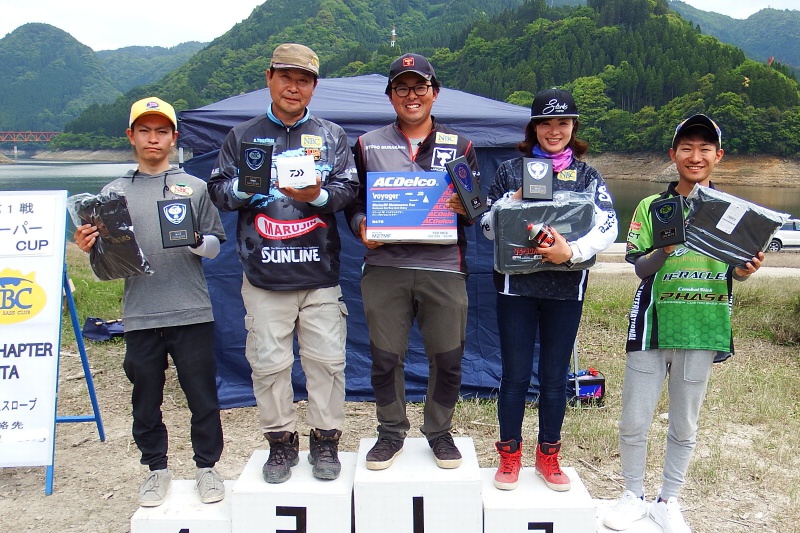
{"type": "Point", "coordinates": [635, 67]}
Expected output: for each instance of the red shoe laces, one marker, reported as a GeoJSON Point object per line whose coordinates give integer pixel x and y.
{"type": "Point", "coordinates": [551, 461]}
{"type": "Point", "coordinates": [510, 462]}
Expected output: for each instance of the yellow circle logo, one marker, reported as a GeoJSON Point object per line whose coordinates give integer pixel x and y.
{"type": "Point", "coordinates": [21, 298]}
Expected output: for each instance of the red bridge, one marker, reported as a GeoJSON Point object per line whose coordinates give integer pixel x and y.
{"type": "Point", "coordinates": [27, 136]}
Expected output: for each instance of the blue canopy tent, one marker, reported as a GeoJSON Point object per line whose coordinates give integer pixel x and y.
{"type": "Point", "coordinates": [358, 104]}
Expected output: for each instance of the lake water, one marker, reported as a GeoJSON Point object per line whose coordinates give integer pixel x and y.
{"type": "Point", "coordinates": [90, 177]}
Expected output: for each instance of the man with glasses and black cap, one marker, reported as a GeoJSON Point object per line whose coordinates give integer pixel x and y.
{"type": "Point", "coordinates": [289, 249]}
{"type": "Point", "coordinates": [403, 282]}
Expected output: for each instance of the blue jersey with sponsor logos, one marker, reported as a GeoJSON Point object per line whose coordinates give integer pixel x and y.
{"type": "Point", "coordinates": [284, 244]}
{"type": "Point", "coordinates": [388, 149]}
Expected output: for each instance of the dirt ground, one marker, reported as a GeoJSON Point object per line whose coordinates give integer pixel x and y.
{"type": "Point", "coordinates": [95, 483]}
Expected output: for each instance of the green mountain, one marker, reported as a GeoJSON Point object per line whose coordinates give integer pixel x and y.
{"type": "Point", "coordinates": [133, 66]}
{"type": "Point", "coordinates": [635, 66]}
{"type": "Point", "coordinates": [48, 78]}
{"type": "Point", "coordinates": [767, 33]}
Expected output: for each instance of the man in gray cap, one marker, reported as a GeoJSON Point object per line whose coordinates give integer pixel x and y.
{"type": "Point", "coordinates": [413, 281]}
{"type": "Point", "coordinates": [289, 249]}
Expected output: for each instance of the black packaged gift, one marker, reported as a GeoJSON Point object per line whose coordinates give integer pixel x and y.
{"type": "Point", "coordinates": [727, 228]}
{"type": "Point", "coordinates": [569, 213]}
{"type": "Point", "coordinates": [115, 253]}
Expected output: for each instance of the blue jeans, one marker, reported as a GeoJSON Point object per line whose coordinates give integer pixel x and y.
{"type": "Point", "coordinates": [520, 319]}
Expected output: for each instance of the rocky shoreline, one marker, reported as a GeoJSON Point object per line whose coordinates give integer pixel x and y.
{"type": "Point", "coordinates": [734, 169]}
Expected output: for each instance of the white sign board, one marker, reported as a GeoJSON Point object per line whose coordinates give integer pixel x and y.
{"type": "Point", "coordinates": [32, 238]}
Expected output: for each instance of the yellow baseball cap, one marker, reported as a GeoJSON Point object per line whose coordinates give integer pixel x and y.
{"type": "Point", "coordinates": [152, 106]}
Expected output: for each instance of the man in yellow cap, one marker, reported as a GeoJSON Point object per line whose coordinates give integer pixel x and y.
{"type": "Point", "coordinates": [289, 250]}
{"type": "Point", "coordinates": [168, 312]}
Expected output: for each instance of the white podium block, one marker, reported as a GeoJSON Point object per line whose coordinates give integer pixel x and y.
{"type": "Point", "coordinates": [303, 503]}
{"type": "Point", "coordinates": [532, 507]}
{"type": "Point", "coordinates": [416, 495]}
{"type": "Point", "coordinates": [183, 511]}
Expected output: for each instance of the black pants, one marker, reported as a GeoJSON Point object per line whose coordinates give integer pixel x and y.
{"type": "Point", "coordinates": [192, 351]}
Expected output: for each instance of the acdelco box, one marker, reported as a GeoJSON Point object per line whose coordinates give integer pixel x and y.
{"type": "Point", "coordinates": [410, 207]}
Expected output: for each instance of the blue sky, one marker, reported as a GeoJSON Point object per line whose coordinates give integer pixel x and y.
{"type": "Point", "coordinates": [111, 24]}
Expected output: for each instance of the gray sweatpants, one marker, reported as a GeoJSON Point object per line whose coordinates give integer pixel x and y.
{"type": "Point", "coordinates": [687, 372]}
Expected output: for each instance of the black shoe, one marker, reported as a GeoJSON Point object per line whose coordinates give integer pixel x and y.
{"type": "Point", "coordinates": [445, 451]}
{"type": "Point", "coordinates": [323, 453]}
{"type": "Point", "coordinates": [383, 453]}
{"type": "Point", "coordinates": [284, 448]}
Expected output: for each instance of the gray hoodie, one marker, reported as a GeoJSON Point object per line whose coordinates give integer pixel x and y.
{"type": "Point", "coordinates": [176, 294]}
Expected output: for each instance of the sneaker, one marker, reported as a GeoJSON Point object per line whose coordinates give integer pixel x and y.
{"type": "Point", "coordinates": [547, 467]}
{"type": "Point", "coordinates": [445, 451]}
{"type": "Point", "coordinates": [153, 491]}
{"type": "Point", "coordinates": [323, 453]}
{"type": "Point", "coordinates": [507, 475]}
{"type": "Point", "coordinates": [627, 510]}
{"type": "Point", "coordinates": [284, 448]}
{"type": "Point", "coordinates": [382, 455]}
{"type": "Point", "coordinates": [667, 514]}
{"type": "Point", "coordinates": [209, 485]}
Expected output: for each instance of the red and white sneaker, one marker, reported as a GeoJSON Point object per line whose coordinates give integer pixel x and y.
{"type": "Point", "coordinates": [507, 475]}
{"type": "Point", "coordinates": [547, 467]}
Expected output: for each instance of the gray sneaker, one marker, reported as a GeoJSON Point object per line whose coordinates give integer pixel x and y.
{"type": "Point", "coordinates": [209, 485]}
{"type": "Point", "coordinates": [284, 448]}
{"type": "Point", "coordinates": [153, 491]}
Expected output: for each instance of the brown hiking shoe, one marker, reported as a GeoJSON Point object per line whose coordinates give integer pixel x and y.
{"type": "Point", "coordinates": [323, 453]}
{"type": "Point", "coordinates": [284, 448]}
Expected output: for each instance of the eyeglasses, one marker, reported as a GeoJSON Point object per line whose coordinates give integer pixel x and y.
{"type": "Point", "coordinates": [403, 90]}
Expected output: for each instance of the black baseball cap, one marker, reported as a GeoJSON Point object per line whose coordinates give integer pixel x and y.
{"type": "Point", "coordinates": [411, 63]}
{"type": "Point", "coordinates": [698, 120]}
{"type": "Point", "coordinates": [554, 102]}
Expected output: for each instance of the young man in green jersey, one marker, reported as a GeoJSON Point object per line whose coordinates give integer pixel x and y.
{"type": "Point", "coordinates": [672, 337]}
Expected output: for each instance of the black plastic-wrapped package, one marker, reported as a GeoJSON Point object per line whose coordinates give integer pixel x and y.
{"type": "Point", "coordinates": [569, 213]}
{"type": "Point", "coordinates": [728, 228]}
{"type": "Point", "coordinates": [115, 253]}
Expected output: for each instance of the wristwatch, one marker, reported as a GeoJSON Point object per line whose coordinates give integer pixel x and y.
{"type": "Point", "coordinates": [576, 256]}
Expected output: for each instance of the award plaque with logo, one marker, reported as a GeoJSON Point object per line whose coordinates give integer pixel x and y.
{"type": "Point", "coordinates": [177, 222]}
{"type": "Point", "coordinates": [467, 187]}
{"type": "Point", "coordinates": [255, 165]}
{"type": "Point", "coordinates": [668, 223]}
{"type": "Point", "coordinates": [537, 179]}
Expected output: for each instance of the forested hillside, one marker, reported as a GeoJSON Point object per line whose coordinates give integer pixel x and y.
{"type": "Point", "coordinates": [48, 78]}
{"type": "Point", "coordinates": [133, 66]}
{"type": "Point", "coordinates": [764, 34]}
{"type": "Point", "coordinates": [635, 67]}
